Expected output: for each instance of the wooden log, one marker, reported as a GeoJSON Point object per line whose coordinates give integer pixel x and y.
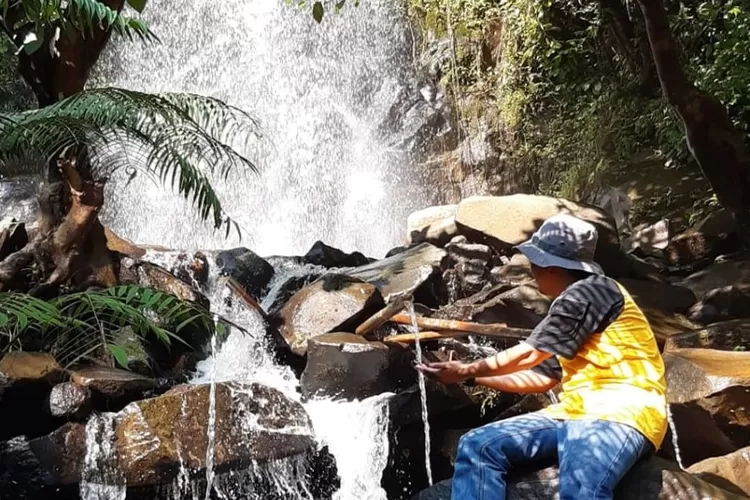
{"type": "Point", "coordinates": [449, 325]}
{"type": "Point", "coordinates": [409, 338]}
{"type": "Point", "coordinates": [381, 317]}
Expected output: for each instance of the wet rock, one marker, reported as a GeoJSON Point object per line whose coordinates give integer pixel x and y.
{"type": "Point", "coordinates": [323, 255]}
{"type": "Point", "coordinates": [154, 276]}
{"type": "Point", "coordinates": [506, 221]}
{"type": "Point", "coordinates": [346, 366]}
{"type": "Point", "coordinates": [719, 275]}
{"type": "Point", "coordinates": [732, 468]}
{"type": "Point", "coordinates": [333, 303]}
{"type": "Point", "coordinates": [26, 379]}
{"type": "Point", "coordinates": [666, 297]}
{"type": "Point", "coordinates": [435, 225]}
{"type": "Point", "coordinates": [193, 269]}
{"type": "Point", "coordinates": [112, 388]}
{"type": "Point", "coordinates": [61, 453]}
{"type": "Point", "coordinates": [722, 304]}
{"type": "Point", "coordinates": [726, 336]}
{"type": "Point", "coordinates": [70, 401]}
{"type": "Point", "coordinates": [709, 390]}
{"type": "Point", "coordinates": [13, 236]}
{"type": "Point", "coordinates": [406, 407]}
{"type": "Point", "coordinates": [251, 271]}
{"type": "Point", "coordinates": [280, 293]}
{"type": "Point", "coordinates": [416, 271]}
{"type": "Point", "coordinates": [651, 479]}
{"type": "Point", "coordinates": [254, 424]}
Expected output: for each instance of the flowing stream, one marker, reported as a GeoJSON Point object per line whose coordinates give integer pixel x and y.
{"type": "Point", "coordinates": [422, 391]}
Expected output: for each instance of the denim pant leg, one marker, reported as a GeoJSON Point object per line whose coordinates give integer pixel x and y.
{"type": "Point", "coordinates": [595, 455]}
{"type": "Point", "coordinates": [486, 454]}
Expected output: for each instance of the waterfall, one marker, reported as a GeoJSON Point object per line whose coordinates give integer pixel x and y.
{"type": "Point", "coordinates": [342, 112]}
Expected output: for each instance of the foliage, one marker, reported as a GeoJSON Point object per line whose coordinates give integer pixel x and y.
{"type": "Point", "coordinates": [181, 139]}
{"type": "Point", "coordinates": [37, 17]}
{"type": "Point", "coordinates": [77, 325]}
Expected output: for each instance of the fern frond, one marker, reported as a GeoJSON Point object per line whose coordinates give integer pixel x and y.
{"type": "Point", "coordinates": [180, 139]}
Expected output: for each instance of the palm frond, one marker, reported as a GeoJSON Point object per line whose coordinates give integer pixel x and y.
{"type": "Point", "coordinates": [72, 326]}
{"type": "Point", "coordinates": [183, 140]}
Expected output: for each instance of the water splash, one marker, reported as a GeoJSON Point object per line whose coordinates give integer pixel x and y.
{"type": "Point", "coordinates": [101, 478]}
{"type": "Point", "coordinates": [211, 427]}
{"type": "Point", "coordinates": [422, 390]}
{"type": "Point", "coordinates": [675, 445]}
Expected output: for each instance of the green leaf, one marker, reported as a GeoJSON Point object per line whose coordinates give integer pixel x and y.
{"type": "Point", "coordinates": [318, 11]}
{"type": "Point", "coordinates": [119, 354]}
{"type": "Point", "coordinates": [138, 5]}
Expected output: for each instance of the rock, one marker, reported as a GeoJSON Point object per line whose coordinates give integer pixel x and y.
{"type": "Point", "coordinates": [694, 246]}
{"type": "Point", "coordinates": [663, 296]}
{"type": "Point", "coordinates": [732, 468]}
{"type": "Point", "coordinates": [13, 236]}
{"type": "Point", "coordinates": [652, 479]}
{"type": "Point", "coordinates": [719, 275]}
{"type": "Point", "coordinates": [666, 325]}
{"type": "Point", "coordinates": [435, 225]}
{"type": "Point", "coordinates": [283, 290]}
{"type": "Point", "coordinates": [727, 336]}
{"type": "Point", "coordinates": [251, 271]}
{"type": "Point", "coordinates": [254, 424]}
{"type": "Point", "coordinates": [112, 387]}
{"type": "Point", "coordinates": [469, 268]}
{"type": "Point", "coordinates": [406, 407]}
{"type": "Point", "coordinates": [346, 366]}
{"type": "Point", "coordinates": [323, 255]}
{"type": "Point", "coordinates": [416, 271]}
{"type": "Point", "coordinates": [722, 304]}
{"type": "Point", "coordinates": [506, 221]}
{"type": "Point", "coordinates": [26, 379]}
{"type": "Point", "coordinates": [154, 276]}
{"type": "Point", "coordinates": [516, 272]}
{"type": "Point", "coordinates": [709, 390]}
{"type": "Point", "coordinates": [653, 239]}
{"type": "Point", "coordinates": [71, 401]}
{"type": "Point", "coordinates": [192, 270]}
{"type": "Point", "coordinates": [61, 453]}
{"type": "Point", "coordinates": [335, 302]}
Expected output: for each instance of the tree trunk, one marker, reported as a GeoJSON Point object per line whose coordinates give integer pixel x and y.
{"type": "Point", "coordinates": [716, 145]}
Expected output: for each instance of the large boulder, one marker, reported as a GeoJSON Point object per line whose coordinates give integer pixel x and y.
{"type": "Point", "coordinates": [335, 302]}
{"type": "Point", "coordinates": [726, 336]}
{"type": "Point", "coordinates": [652, 479]}
{"type": "Point", "coordinates": [346, 366]}
{"type": "Point", "coordinates": [327, 256]}
{"type": "Point", "coordinates": [416, 271]}
{"type": "Point", "coordinates": [253, 424]}
{"type": "Point", "coordinates": [250, 270]}
{"type": "Point", "coordinates": [708, 390]}
{"type": "Point", "coordinates": [435, 225]}
{"type": "Point", "coordinates": [719, 275]}
{"type": "Point", "coordinates": [722, 304]}
{"type": "Point", "coordinates": [733, 468]}
{"type": "Point", "coordinates": [506, 221]}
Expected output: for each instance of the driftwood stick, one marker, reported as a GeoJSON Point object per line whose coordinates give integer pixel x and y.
{"type": "Point", "coordinates": [380, 317]}
{"type": "Point", "coordinates": [443, 325]}
{"type": "Point", "coordinates": [408, 338]}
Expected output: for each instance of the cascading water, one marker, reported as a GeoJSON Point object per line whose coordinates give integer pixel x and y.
{"type": "Point", "coordinates": [340, 106]}
{"type": "Point", "coordinates": [101, 478]}
{"type": "Point", "coordinates": [422, 390]}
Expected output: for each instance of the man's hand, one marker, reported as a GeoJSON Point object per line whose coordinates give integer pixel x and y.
{"type": "Point", "coordinates": [448, 372]}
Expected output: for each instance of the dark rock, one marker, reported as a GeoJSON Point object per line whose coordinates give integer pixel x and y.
{"type": "Point", "coordinates": [21, 474]}
{"type": "Point", "coordinates": [395, 251]}
{"type": "Point", "coordinates": [666, 297]}
{"type": "Point", "coordinates": [435, 225]}
{"type": "Point", "coordinates": [406, 407]}
{"type": "Point", "coordinates": [469, 269]}
{"type": "Point", "coordinates": [719, 275]}
{"type": "Point", "coordinates": [726, 336]}
{"type": "Point", "coordinates": [722, 304]}
{"type": "Point", "coordinates": [192, 270]}
{"type": "Point", "coordinates": [112, 388]}
{"type": "Point", "coordinates": [416, 271]}
{"type": "Point", "coordinates": [732, 468]}
{"type": "Point", "coordinates": [709, 390]}
{"type": "Point", "coordinates": [506, 221]}
{"type": "Point", "coordinates": [155, 436]}
{"type": "Point", "coordinates": [13, 237]}
{"type": "Point", "coordinates": [61, 453]}
{"type": "Point", "coordinates": [695, 246]}
{"type": "Point", "coordinates": [651, 479]}
{"type": "Point", "coordinates": [346, 366]}
{"type": "Point", "coordinates": [154, 276]}
{"type": "Point", "coordinates": [335, 302]}
{"type": "Point", "coordinates": [251, 271]}
{"type": "Point", "coordinates": [70, 401]}
{"type": "Point", "coordinates": [323, 255]}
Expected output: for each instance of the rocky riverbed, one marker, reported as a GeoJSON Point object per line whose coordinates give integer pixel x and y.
{"type": "Point", "coordinates": [204, 413]}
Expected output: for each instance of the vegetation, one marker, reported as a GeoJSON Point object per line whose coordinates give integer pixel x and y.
{"type": "Point", "coordinates": [572, 91]}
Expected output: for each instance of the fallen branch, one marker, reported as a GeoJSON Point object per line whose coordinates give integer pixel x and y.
{"type": "Point", "coordinates": [240, 293]}
{"type": "Point", "coordinates": [409, 338]}
{"type": "Point", "coordinates": [381, 317]}
{"type": "Point", "coordinates": [454, 326]}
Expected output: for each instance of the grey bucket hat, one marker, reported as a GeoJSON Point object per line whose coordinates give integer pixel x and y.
{"type": "Point", "coordinates": [563, 241]}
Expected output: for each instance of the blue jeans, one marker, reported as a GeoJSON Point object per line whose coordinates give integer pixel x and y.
{"type": "Point", "coordinates": [593, 456]}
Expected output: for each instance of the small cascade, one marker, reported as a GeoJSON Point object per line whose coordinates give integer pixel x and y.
{"type": "Point", "coordinates": [211, 427]}
{"type": "Point", "coordinates": [675, 445]}
{"type": "Point", "coordinates": [101, 479]}
{"type": "Point", "coordinates": [422, 391]}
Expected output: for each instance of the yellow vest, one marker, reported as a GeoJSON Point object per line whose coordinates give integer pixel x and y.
{"type": "Point", "coordinates": [617, 375]}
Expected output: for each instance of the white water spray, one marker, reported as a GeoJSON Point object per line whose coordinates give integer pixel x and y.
{"type": "Point", "coordinates": [101, 479]}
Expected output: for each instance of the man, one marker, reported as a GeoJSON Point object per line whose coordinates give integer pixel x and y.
{"type": "Point", "coordinates": [594, 340]}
